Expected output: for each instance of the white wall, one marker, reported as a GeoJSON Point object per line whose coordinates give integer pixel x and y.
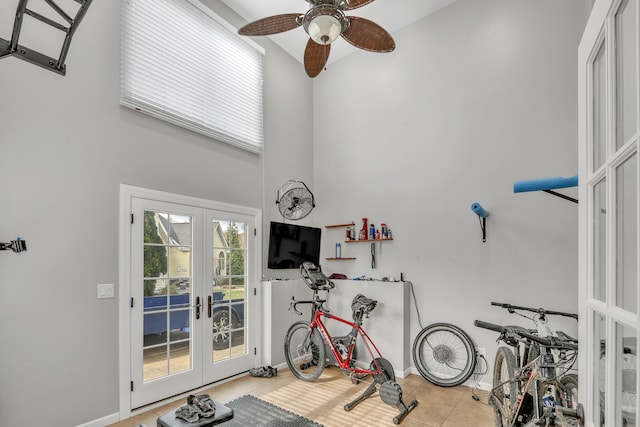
{"type": "Point", "coordinates": [65, 147]}
{"type": "Point", "coordinates": [475, 97]}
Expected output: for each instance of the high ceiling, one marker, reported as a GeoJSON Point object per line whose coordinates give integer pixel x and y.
{"type": "Point", "coordinates": [392, 15]}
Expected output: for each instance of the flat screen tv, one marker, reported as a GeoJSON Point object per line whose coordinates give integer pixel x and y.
{"type": "Point", "coordinates": [290, 245]}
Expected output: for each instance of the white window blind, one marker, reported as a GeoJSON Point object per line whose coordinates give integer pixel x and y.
{"type": "Point", "coordinates": [182, 64]}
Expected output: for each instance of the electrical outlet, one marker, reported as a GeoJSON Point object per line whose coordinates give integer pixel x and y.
{"type": "Point", "coordinates": [481, 352]}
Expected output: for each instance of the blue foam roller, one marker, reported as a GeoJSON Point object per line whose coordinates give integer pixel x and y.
{"type": "Point", "coordinates": [475, 206]}
{"type": "Point", "coordinates": [545, 184]}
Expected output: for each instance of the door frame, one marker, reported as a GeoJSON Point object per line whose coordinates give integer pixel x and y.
{"type": "Point", "coordinates": [127, 194]}
{"type": "Point", "coordinates": [599, 29]}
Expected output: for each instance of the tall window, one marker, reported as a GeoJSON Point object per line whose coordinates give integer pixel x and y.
{"type": "Point", "coordinates": [183, 64]}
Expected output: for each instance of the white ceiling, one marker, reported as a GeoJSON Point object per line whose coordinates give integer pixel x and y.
{"type": "Point", "coordinates": [392, 15]}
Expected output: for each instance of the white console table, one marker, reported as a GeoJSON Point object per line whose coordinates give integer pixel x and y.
{"type": "Point", "coordinates": [387, 326]}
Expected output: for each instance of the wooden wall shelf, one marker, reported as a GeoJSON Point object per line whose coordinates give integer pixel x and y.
{"type": "Point", "coordinates": [339, 225]}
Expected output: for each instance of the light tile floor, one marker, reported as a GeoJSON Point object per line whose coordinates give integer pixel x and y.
{"type": "Point", "coordinates": [323, 401]}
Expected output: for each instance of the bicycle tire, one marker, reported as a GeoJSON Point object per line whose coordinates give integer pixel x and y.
{"type": "Point", "coordinates": [534, 347]}
{"type": "Point", "coordinates": [304, 351]}
{"type": "Point", "coordinates": [569, 384]}
{"type": "Point", "coordinates": [444, 354]}
{"type": "Point", "coordinates": [505, 389]}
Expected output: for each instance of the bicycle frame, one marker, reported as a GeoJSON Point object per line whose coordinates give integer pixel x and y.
{"type": "Point", "coordinates": [532, 377]}
{"type": "Point", "coordinates": [306, 346]}
{"type": "Point", "coordinates": [344, 362]}
{"type": "Point", "coordinates": [530, 407]}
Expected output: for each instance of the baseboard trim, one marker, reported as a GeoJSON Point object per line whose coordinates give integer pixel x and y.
{"type": "Point", "coordinates": [469, 383]}
{"type": "Point", "coordinates": [101, 422]}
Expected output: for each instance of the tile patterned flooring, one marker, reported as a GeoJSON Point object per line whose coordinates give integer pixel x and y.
{"type": "Point", "coordinates": [323, 401]}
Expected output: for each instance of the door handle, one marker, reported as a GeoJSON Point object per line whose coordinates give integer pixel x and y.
{"type": "Point", "coordinates": [209, 305]}
{"type": "Point", "coordinates": [198, 305]}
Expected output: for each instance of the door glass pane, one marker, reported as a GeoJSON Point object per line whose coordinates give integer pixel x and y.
{"type": "Point", "coordinates": [626, 47]}
{"type": "Point", "coordinates": [626, 352]}
{"type": "Point", "coordinates": [599, 351]}
{"type": "Point", "coordinates": [167, 294]}
{"type": "Point", "coordinates": [599, 107]}
{"type": "Point", "coordinates": [626, 234]}
{"type": "Point", "coordinates": [599, 240]}
{"type": "Point", "coordinates": [229, 278]}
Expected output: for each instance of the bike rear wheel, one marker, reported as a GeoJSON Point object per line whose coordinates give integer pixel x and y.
{"type": "Point", "coordinates": [304, 351]}
{"type": "Point", "coordinates": [444, 354]}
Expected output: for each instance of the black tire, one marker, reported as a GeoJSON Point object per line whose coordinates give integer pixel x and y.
{"type": "Point", "coordinates": [304, 351]}
{"type": "Point", "coordinates": [534, 347]}
{"type": "Point", "coordinates": [444, 354]}
{"type": "Point", "coordinates": [534, 352]}
{"type": "Point", "coordinates": [569, 384]}
{"type": "Point", "coordinates": [222, 328]}
{"type": "Point", "coordinates": [505, 389]}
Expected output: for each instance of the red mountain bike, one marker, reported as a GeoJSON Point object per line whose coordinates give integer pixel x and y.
{"type": "Point", "coordinates": [309, 346]}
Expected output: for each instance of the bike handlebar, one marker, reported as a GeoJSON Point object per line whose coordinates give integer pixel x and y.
{"type": "Point", "coordinates": [293, 304]}
{"type": "Point", "coordinates": [541, 311]}
{"type": "Point", "coordinates": [555, 342]}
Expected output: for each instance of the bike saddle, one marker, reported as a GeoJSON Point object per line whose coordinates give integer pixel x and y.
{"type": "Point", "coordinates": [362, 305]}
{"type": "Point", "coordinates": [314, 277]}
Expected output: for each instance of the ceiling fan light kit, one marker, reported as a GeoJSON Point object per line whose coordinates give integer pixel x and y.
{"type": "Point", "coordinates": [324, 22]}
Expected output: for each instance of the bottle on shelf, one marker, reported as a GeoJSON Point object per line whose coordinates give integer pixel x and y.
{"type": "Point", "coordinates": [338, 250]}
{"type": "Point", "coordinates": [363, 230]}
{"type": "Point", "coordinates": [372, 232]}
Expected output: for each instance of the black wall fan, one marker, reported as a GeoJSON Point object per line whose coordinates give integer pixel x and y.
{"type": "Point", "coordinates": [295, 200]}
{"type": "Point", "coordinates": [325, 21]}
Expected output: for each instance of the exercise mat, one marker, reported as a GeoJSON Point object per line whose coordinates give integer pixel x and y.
{"type": "Point", "coordinates": [242, 412]}
{"type": "Point", "coordinates": [251, 411]}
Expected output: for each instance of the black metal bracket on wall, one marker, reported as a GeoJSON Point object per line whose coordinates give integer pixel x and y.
{"type": "Point", "coordinates": [17, 245]}
{"type": "Point", "coordinates": [483, 227]}
{"type": "Point", "coordinates": [562, 196]}
{"type": "Point", "coordinates": [482, 216]}
{"type": "Point", "coordinates": [13, 48]}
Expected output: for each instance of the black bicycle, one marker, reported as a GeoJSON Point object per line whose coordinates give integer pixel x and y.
{"type": "Point", "coordinates": [540, 392]}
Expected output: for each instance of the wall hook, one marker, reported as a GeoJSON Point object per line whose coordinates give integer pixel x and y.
{"type": "Point", "coordinates": [482, 217]}
{"type": "Point", "coordinates": [17, 245]}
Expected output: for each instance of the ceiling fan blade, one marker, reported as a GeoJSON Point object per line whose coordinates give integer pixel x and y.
{"type": "Point", "coordinates": [354, 4]}
{"type": "Point", "coordinates": [368, 35]}
{"type": "Point", "coordinates": [315, 57]}
{"type": "Point", "coordinates": [271, 25]}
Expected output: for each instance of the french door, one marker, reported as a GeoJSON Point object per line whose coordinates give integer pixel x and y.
{"type": "Point", "coordinates": [191, 293]}
{"type": "Point", "coordinates": [609, 213]}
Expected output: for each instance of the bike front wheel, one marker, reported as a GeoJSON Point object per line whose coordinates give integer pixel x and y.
{"type": "Point", "coordinates": [444, 354]}
{"type": "Point", "coordinates": [505, 389]}
{"type": "Point", "coordinates": [304, 351]}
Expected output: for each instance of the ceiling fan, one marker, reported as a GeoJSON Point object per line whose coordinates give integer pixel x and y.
{"type": "Point", "coordinates": [324, 22]}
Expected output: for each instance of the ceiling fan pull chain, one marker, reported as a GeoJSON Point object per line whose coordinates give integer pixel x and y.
{"type": "Point", "coordinates": [326, 57]}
